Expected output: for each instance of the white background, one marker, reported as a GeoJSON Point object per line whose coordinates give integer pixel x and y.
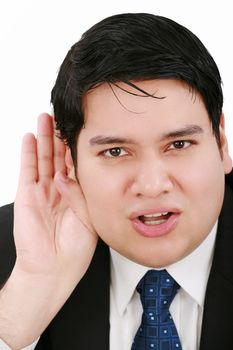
{"type": "Point", "coordinates": [35, 36]}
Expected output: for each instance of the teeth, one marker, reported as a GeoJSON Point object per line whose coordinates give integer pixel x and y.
{"type": "Point", "coordinates": [154, 218]}
{"type": "Point", "coordinates": [154, 222]}
{"type": "Point", "coordinates": [155, 215]}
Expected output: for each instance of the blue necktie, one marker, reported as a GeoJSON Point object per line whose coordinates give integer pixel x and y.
{"type": "Point", "coordinates": [157, 330]}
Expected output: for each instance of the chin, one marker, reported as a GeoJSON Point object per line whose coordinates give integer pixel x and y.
{"type": "Point", "coordinates": [155, 260]}
{"type": "Point", "coordinates": [150, 261]}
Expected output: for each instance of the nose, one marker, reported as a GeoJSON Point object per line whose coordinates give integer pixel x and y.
{"type": "Point", "coordinates": [152, 179]}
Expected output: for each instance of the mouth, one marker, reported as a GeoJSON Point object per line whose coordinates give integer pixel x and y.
{"type": "Point", "coordinates": [155, 224]}
{"type": "Point", "coordinates": [155, 218]}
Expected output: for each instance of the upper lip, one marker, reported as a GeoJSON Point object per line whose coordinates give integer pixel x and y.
{"type": "Point", "coordinates": [137, 213]}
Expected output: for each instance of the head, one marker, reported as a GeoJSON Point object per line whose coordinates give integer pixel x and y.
{"type": "Point", "coordinates": [132, 47]}
{"type": "Point", "coordinates": [136, 77]}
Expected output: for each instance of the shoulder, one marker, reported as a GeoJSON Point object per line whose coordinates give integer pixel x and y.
{"type": "Point", "coordinates": [229, 180]}
{"type": "Point", "coordinates": [6, 215]}
{"type": "Point", "coordinates": [7, 246]}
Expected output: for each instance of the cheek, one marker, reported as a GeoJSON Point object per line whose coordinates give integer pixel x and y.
{"type": "Point", "coordinates": [202, 172]}
{"type": "Point", "coordinates": [104, 207]}
{"type": "Point", "coordinates": [103, 189]}
{"type": "Point", "coordinates": [204, 191]}
{"type": "Point", "coordinates": [102, 179]}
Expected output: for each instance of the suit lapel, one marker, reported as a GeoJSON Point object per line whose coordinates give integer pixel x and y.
{"type": "Point", "coordinates": [83, 322]}
{"type": "Point", "coordinates": [218, 309]}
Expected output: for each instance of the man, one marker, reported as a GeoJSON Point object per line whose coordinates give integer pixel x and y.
{"type": "Point", "coordinates": [142, 170]}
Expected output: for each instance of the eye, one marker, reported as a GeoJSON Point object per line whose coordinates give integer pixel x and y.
{"type": "Point", "coordinates": [114, 152]}
{"type": "Point", "coordinates": [180, 144]}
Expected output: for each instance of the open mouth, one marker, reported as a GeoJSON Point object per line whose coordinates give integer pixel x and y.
{"type": "Point", "coordinates": [155, 218]}
{"type": "Point", "coordinates": [155, 224]}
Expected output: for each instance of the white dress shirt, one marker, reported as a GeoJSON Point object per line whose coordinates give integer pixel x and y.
{"type": "Point", "coordinates": [191, 273]}
{"type": "Point", "coordinates": [186, 308]}
{"type": "Point", "coordinates": [3, 346]}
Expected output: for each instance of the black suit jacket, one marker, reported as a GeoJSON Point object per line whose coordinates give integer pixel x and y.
{"type": "Point", "coordinates": [83, 322]}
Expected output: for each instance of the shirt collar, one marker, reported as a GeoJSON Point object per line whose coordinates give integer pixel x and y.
{"type": "Point", "coordinates": [191, 273]}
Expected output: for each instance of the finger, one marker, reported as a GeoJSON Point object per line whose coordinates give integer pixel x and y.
{"type": "Point", "coordinates": [59, 151]}
{"type": "Point", "coordinates": [28, 167]}
{"type": "Point", "coordinates": [45, 146]}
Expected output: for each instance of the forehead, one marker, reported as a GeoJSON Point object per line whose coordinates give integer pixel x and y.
{"type": "Point", "coordinates": [121, 105]}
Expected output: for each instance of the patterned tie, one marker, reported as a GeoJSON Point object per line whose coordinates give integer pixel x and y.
{"type": "Point", "coordinates": [157, 330]}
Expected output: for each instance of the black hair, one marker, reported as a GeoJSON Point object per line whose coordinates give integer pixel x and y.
{"type": "Point", "coordinates": [131, 47]}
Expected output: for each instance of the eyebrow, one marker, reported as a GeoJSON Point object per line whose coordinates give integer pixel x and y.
{"type": "Point", "coordinates": [185, 131]}
{"type": "Point", "coordinates": [108, 140]}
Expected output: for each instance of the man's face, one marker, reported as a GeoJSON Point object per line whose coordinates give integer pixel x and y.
{"type": "Point", "coordinates": [151, 170]}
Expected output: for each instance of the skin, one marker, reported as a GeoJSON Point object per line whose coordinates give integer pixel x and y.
{"type": "Point", "coordinates": [58, 220]}
{"type": "Point", "coordinates": [150, 173]}
{"type": "Point", "coordinates": [52, 233]}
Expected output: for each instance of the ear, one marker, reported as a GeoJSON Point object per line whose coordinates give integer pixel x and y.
{"type": "Point", "coordinates": [227, 161]}
{"type": "Point", "coordinates": [69, 164]}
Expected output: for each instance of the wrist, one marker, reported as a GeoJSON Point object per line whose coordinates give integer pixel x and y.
{"type": "Point", "coordinates": [27, 300]}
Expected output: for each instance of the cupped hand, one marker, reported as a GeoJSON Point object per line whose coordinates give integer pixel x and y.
{"type": "Point", "coordinates": [52, 231]}
{"type": "Point", "coordinates": [54, 239]}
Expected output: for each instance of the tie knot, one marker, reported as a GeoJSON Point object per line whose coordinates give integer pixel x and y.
{"type": "Point", "coordinates": [157, 290]}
